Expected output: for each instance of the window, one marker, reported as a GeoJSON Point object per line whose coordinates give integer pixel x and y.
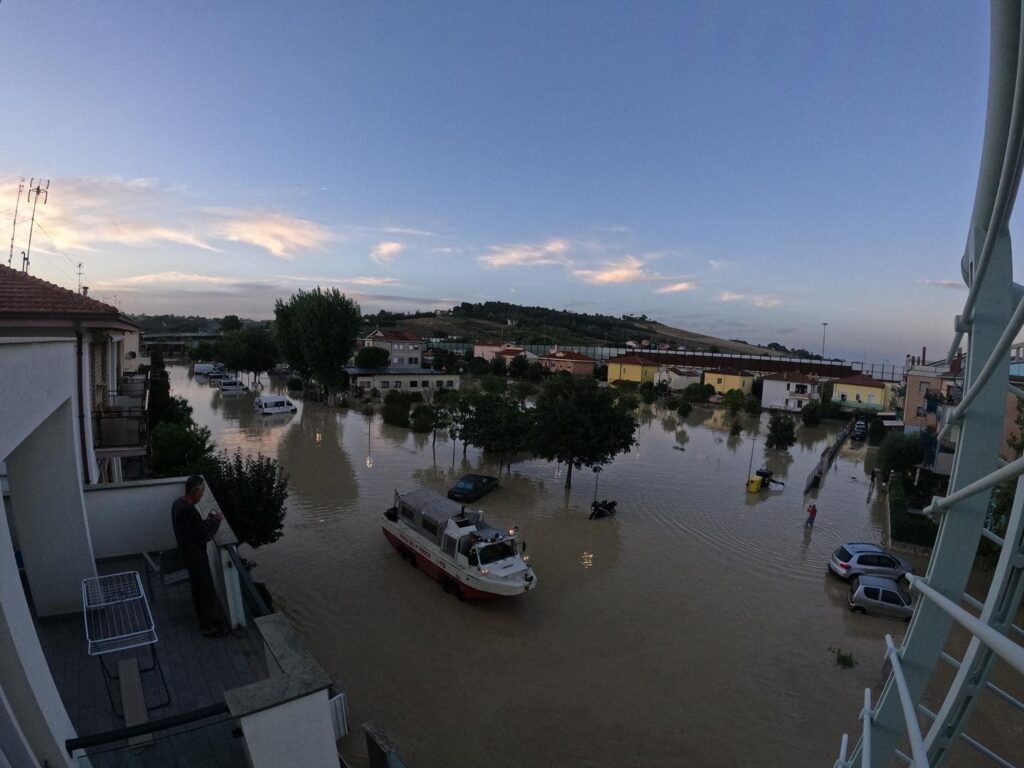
{"type": "Point", "coordinates": [450, 383]}
{"type": "Point", "coordinates": [398, 385]}
{"type": "Point", "coordinates": [473, 559]}
{"type": "Point", "coordinates": [787, 387]}
{"type": "Point", "coordinates": [887, 562]}
{"type": "Point", "coordinates": [438, 383]}
{"type": "Point", "coordinates": [385, 384]}
{"type": "Point", "coordinates": [396, 360]}
{"type": "Point", "coordinates": [922, 411]}
{"type": "Point", "coordinates": [842, 396]}
{"type": "Point", "coordinates": [923, 386]}
{"type": "Point", "coordinates": [719, 379]}
{"type": "Point", "coordinates": [425, 384]}
{"type": "Point", "coordinates": [407, 513]}
{"type": "Point", "coordinates": [399, 346]}
{"type": "Point", "coordinates": [414, 361]}
{"type": "Point", "coordinates": [429, 526]}
{"type": "Point", "coordinates": [858, 397]}
{"type": "Point", "coordinates": [413, 384]}
{"type": "Point", "coordinates": [871, 593]}
{"type": "Point", "coordinates": [891, 598]}
{"type": "Point", "coordinates": [787, 402]}
{"type": "Point", "coordinates": [414, 346]}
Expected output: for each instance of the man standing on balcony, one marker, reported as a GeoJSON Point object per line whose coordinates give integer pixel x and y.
{"type": "Point", "coordinates": [192, 533]}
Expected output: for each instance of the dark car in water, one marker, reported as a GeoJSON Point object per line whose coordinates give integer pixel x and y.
{"type": "Point", "coordinates": [472, 487]}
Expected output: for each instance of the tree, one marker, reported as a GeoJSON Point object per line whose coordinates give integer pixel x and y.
{"type": "Point", "coordinates": [519, 367]}
{"type": "Point", "coordinates": [684, 408]}
{"type": "Point", "coordinates": [261, 353]}
{"type": "Point", "coordinates": [478, 366]}
{"type": "Point", "coordinates": [498, 367]}
{"type": "Point", "coordinates": [177, 449]}
{"type": "Point", "coordinates": [422, 418]}
{"type": "Point", "coordinates": [251, 491]}
{"type": "Point", "coordinates": [580, 424]}
{"type": "Point", "coordinates": [230, 323]}
{"type": "Point", "coordinates": [698, 393]}
{"type": "Point", "coordinates": [900, 452]}
{"type": "Point", "coordinates": [752, 405]}
{"type": "Point", "coordinates": [810, 414]}
{"type": "Point", "coordinates": [781, 430]}
{"type": "Point", "coordinates": [372, 357]}
{"type": "Point", "coordinates": [203, 350]}
{"type": "Point", "coordinates": [876, 431]}
{"type": "Point", "coordinates": [492, 384]}
{"type": "Point", "coordinates": [734, 400]}
{"type": "Point", "coordinates": [319, 328]}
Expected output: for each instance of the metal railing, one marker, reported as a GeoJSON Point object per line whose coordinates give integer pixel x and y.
{"type": "Point", "coordinates": [125, 428]}
{"type": "Point", "coordinates": [992, 316]}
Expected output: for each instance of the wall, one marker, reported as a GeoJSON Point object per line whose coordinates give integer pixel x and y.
{"type": "Point", "coordinates": [129, 518]}
{"type": "Point", "coordinates": [36, 375]}
{"type": "Point", "coordinates": [297, 733]}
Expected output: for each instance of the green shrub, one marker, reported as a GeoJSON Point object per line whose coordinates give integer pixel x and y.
{"type": "Point", "coordinates": [684, 408]}
{"type": "Point", "coordinates": [294, 383]}
{"type": "Point", "coordinates": [178, 449]}
{"type": "Point", "coordinates": [396, 412]}
{"type": "Point", "coordinates": [912, 529]}
{"type": "Point", "coordinates": [781, 430]}
{"type": "Point", "coordinates": [251, 491]}
{"type": "Point", "coordinates": [422, 418]}
{"type": "Point", "coordinates": [372, 357]}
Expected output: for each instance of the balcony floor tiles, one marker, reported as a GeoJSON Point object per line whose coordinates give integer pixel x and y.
{"type": "Point", "coordinates": [198, 670]}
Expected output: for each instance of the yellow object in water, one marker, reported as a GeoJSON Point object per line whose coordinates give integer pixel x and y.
{"type": "Point", "coordinates": [754, 484]}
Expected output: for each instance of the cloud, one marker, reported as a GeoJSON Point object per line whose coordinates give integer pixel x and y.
{"type": "Point", "coordinates": [281, 235]}
{"type": "Point", "coordinates": [162, 278]}
{"type": "Point", "coordinates": [764, 302]}
{"type": "Point", "coordinates": [407, 231]}
{"type": "Point", "coordinates": [676, 287]}
{"type": "Point", "coordinates": [715, 264]}
{"type": "Point", "coordinates": [628, 269]}
{"type": "Point", "coordinates": [371, 281]}
{"type": "Point", "coordinates": [384, 252]}
{"type": "Point", "coordinates": [944, 283]}
{"type": "Point", "coordinates": [525, 255]}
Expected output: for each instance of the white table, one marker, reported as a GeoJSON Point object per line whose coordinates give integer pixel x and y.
{"type": "Point", "coordinates": [117, 618]}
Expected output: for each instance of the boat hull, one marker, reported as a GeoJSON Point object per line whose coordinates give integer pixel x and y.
{"type": "Point", "coordinates": [439, 569]}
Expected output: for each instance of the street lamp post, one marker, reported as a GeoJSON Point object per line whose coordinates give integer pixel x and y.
{"type": "Point", "coordinates": [823, 327]}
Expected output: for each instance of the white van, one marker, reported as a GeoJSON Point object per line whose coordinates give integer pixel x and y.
{"type": "Point", "coordinates": [232, 387]}
{"type": "Point", "coordinates": [274, 404]}
{"type": "Point", "coordinates": [205, 369]}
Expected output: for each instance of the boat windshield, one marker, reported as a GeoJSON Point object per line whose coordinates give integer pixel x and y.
{"type": "Point", "coordinates": [499, 551]}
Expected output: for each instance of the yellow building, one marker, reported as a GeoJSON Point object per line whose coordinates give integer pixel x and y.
{"type": "Point", "coordinates": [632, 368]}
{"type": "Point", "coordinates": [861, 391]}
{"type": "Point", "coordinates": [724, 379]}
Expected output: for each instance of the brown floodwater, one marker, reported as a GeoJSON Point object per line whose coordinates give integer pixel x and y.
{"type": "Point", "coordinates": [696, 627]}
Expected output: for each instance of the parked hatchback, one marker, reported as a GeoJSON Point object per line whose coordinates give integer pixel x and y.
{"type": "Point", "coordinates": [861, 559]}
{"type": "Point", "coordinates": [881, 597]}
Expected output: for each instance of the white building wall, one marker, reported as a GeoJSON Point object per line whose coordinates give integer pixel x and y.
{"type": "Point", "coordinates": [774, 395]}
{"type": "Point", "coordinates": [129, 518]}
{"type": "Point", "coordinates": [297, 733]}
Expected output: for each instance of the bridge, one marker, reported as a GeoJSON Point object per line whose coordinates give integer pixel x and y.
{"type": "Point", "coordinates": [170, 341]}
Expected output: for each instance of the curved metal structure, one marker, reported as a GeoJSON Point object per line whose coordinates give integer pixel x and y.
{"type": "Point", "coordinates": [992, 317]}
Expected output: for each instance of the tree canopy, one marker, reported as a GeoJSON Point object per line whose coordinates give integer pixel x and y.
{"type": "Point", "coordinates": [580, 424]}
{"type": "Point", "coordinates": [317, 333]}
{"type": "Point", "coordinates": [372, 357]}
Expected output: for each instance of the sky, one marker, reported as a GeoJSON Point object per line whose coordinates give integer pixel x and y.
{"type": "Point", "coordinates": [745, 170]}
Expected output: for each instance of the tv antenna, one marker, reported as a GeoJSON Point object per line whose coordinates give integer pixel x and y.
{"type": "Point", "coordinates": [14, 226]}
{"type": "Point", "coordinates": [37, 188]}
{"type": "Point", "coordinates": [79, 273]}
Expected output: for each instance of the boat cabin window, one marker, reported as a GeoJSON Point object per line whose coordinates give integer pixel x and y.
{"type": "Point", "coordinates": [464, 546]}
{"type": "Point", "coordinates": [429, 526]}
{"type": "Point", "coordinates": [449, 545]}
{"type": "Point", "coordinates": [407, 513]}
{"type": "Point", "coordinates": [473, 559]}
{"type": "Point", "coordinates": [498, 551]}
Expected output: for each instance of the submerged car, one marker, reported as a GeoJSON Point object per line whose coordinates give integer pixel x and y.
{"type": "Point", "coordinates": [472, 487]}
{"type": "Point", "coordinates": [862, 559]}
{"type": "Point", "coordinates": [881, 597]}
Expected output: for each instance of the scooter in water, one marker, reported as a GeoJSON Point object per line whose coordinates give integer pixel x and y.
{"type": "Point", "coordinates": [603, 508]}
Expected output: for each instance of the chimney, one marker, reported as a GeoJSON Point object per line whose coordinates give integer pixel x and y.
{"type": "Point", "coordinates": [924, 355]}
{"type": "Point", "coordinates": [85, 290]}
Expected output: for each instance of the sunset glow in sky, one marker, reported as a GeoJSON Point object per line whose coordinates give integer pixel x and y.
{"type": "Point", "coordinates": [744, 170]}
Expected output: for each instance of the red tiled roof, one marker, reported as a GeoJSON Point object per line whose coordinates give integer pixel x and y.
{"type": "Point", "coordinates": [685, 371]}
{"type": "Point", "coordinates": [632, 360]}
{"type": "Point", "coordinates": [568, 355]}
{"type": "Point", "coordinates": [511, 352]}
{"type": "Point", "coordinates": [791, 376]}
{"type": "Point", "coordinates": [390, 335]}
{"type": "Point", "coordinates": [22, 294]}
{"type": "Point", "coordinates": [729, 372]}
{"type": "Point", "coordinates": [862, 380]}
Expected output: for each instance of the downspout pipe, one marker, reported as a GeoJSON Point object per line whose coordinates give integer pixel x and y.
{"type": "Point", "coordinates": [81, 403]}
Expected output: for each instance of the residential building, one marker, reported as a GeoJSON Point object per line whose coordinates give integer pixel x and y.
{"type": "Point", "coordinates": [632, 368]}
{"type": "Point", "coordinates": [259, 698]}
{"type": "Point", "coordinates": [926, 388]}
{"type": "Point", "coordinates": [676, 378]}
{"type": "Point", "coordinates": [726, 379]}
{"type": "Point", "coordinates": [406, 349]}
{"type": "Point", "coordinates": [511, 353]}
{"type": "Point", "coordinates": [861, 391]}
{"type": "Point", "coordinates": [386, 379]}
{"type": "Point", "coordinates": [110, 396]}
{"type": "Point", "coordinates": [488, 349]}
{"type": "Point", "coordinates": [788, 391]}
{"type": "Point", "coordinates": [575, 363]}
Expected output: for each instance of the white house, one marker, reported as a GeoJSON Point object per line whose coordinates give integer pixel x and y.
{"type": "Point", "coordinates": [406, 349]}
{"type": "Point", "coordinates": [788, 391]}
{"type": "Point", "coordinates": [385, 379]}
{"type": "Point", "coordinates": [677, 378]}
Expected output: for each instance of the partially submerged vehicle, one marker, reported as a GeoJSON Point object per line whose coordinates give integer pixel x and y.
{"type": "Point", "coordinates": [232, 387]}
{"type": "Point", "coordinates": [472, 487]}
{"type": "Point", "coordinates": [268, 404]}
{"type": "Point", "coordinates": [456, 547]}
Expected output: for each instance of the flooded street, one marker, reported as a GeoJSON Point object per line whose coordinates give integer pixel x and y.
{"type": "Point", "coordinates": [693, 628]}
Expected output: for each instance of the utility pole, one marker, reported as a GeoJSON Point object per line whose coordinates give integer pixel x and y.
{"type": "Point", "coordinates": [79, 273]}
{"type": "Point", "coordinates": [38, 188]}
{"type": "Point", "coordinates": [14, 226]}
{"type": "Point", "coordinates": [823, 327]}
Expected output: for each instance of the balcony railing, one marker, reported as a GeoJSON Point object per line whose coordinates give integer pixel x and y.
{"type": "Point", "coordinates": [121, 428]}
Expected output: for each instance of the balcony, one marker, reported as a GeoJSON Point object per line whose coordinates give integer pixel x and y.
{"type": "Point", "coordinates": [240, 700]}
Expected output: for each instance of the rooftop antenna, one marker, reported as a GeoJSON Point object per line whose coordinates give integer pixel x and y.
{"type": "Point", "coordinates": [79, 273]}
{"type": "Point", "coordinates": [14, 226]}
{"type": "Point", "coordinates": [37, 188]}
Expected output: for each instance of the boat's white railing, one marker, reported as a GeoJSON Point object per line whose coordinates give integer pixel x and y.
{"type": "Point", "coordinates": [992, 316]}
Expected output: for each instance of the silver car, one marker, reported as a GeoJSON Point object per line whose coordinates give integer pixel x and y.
{"type": "Point", "coordinates": [862, 559]}
{"type": "Point", "coordinates": [881, 597]}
